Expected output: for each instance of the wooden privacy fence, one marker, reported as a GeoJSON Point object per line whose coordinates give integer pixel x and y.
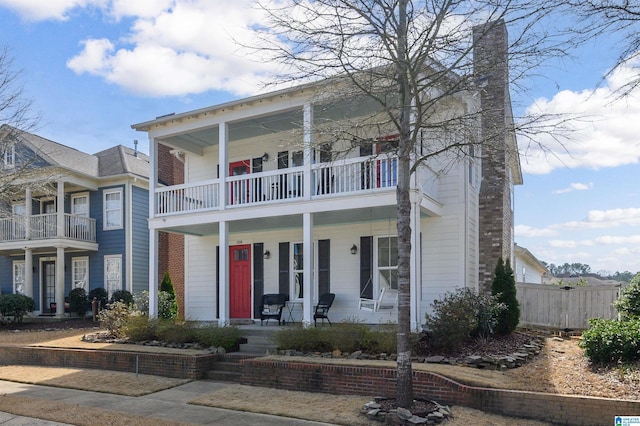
{"type": "Point", "coordinates": [559, 307]}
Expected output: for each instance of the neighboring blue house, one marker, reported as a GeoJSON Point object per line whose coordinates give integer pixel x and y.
{"type": "Point", "coordinates": [88, 229]}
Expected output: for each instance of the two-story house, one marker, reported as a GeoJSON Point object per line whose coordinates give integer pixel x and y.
{"type": "Point", "coordinates": [81, 221]}
{"type": "Point", "coordinates": [270, 201]}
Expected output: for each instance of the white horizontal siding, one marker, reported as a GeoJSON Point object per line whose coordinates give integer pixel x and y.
{"type": "Point", "coordinates": [200, 278]}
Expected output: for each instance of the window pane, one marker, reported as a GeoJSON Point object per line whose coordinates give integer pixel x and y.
{"type": "Point", "coordinates": [383, 252]}
{"type": "Point", "coordinates": [393, 251]}
{"type": "Point", "coordinates": [389, 278]}
{"type": "Point", "coordinates": [80, 206]}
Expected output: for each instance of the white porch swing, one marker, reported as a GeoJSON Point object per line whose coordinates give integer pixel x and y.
{"type": "Point", "coordinates": [387, 299]}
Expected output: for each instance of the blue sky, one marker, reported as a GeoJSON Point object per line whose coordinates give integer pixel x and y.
{"type": "Point", "coordinates": [94, 67]}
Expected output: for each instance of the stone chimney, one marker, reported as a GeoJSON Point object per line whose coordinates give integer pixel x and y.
{"type": "Point", "coordinates": [500, 162]}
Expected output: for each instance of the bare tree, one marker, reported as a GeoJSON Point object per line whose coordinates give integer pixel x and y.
{"type": "Point", "coordinates": [17, 164]}
{"type": "Point", "coordinates": [599, 19]}
{"type": "Point", "coordinates": [414, 60]}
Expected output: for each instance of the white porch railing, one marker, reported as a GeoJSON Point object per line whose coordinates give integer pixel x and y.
{"type": "Point", "coordinates": [79, 227]}
{"type": "Point", "coordinates": [187, 198]}
{"type": "Point", "coordinates": [45, 226]}
{"type": "Point", "coordinates": [363, 174]}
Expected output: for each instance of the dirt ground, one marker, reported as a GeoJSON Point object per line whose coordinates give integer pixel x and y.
{"type": "Point", "coordinates": [560, 368]}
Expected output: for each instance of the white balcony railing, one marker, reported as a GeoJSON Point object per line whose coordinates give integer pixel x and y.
{"type": "Point", "coordinates": [45, 226]}
{"type": "Point", "coordinates": [187, 198]}
{"type": "Point", "coordinates": [358, 175]}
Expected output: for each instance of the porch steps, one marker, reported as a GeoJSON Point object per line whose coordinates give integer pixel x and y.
{"type": "Point", "coordinates": [259, 342]}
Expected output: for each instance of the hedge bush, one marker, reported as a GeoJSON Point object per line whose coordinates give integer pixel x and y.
{"type": "Point", "coordinates": [16, 306]}
{"type": "Point", "coordinates": [346, 336]}
{"type": "Point", "coordinates": [611, 341]}
{"type": "Point", "coordinates": [460, 315]}
{"type": "Point", "coordinates": [101, 295]}
{"type": "Point", "coordinates": [123, 296]}
{"type": "Point", "coordinates": [79, 301]}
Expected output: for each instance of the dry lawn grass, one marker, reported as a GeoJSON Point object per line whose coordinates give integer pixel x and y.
{"type": "Point", "coordinates": [128, 384]}
{"type": "Point", "coordinates": [74, 414]}
{"type": "Point", "coordinates": [334, 409]}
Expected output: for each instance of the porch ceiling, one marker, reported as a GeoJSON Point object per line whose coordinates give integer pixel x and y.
{"type": "Point", "coordinates": [292, 221]}
{"type": "Point", "coordinates": [244, 129]}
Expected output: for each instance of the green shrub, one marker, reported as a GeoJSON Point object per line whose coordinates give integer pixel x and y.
{"type": "Point", "coordinates": [140, 328]}
{"type": "Point", "coordinates": [504, 287]}
{"type": "Point", "coordinates": [227, 337]}
{"type": "Point", "coordinates": [172, 331]}
{"type": "Point", "coordinates": [611, 341]}
{"type": "Point", "coordinates": [348, 336]}
{"type": "Point", "coordinates": [167, 306]}
{"type": "Point", "coordinates": [79, 301]}
{"type": "Point", "coordinates": [628, 304]}
{"type": "Point", "coordinates": [460, 315]}
{"type": "Point", "coordinates": [171, 311]}
{"type": "Point", "coordinates": [16, 306]}
{"type": "Point", "coordinates": [116, 318]}
{"type": "Point", "coordinates": [123, 296]}
{"type": "Point", "coordinates": [309, 339]}
{"type": "Point", "coordinates": [100, 294]}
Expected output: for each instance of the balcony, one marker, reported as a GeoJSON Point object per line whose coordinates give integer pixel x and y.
{"type": "Point", "coordinates": [44, 226]}
{"type": "Point", "coordinates": [363, 175]}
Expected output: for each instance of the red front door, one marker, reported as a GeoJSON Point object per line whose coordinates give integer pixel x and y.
{"type": "Point", "coordinates": [240, 281]}
{"type": "Point", "coordinates": [239, 192]}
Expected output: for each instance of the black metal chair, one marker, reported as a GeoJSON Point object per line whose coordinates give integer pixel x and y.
{"type": "Point", "coordinates": [272, 306]}
{"type": "Point", "coordinates": [322, 308]}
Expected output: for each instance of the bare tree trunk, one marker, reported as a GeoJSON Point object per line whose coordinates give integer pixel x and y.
{"type": "Point", "coordinates": [404, 384]}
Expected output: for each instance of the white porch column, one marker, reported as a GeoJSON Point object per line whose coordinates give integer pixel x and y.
{"type": "Point", "coordinates": [223, 164]}
{"type": "Point", "coordinates": [60, 210]}
{"type": "Point", "coordinates": [415, 263]}
{"type": "Point", "coordinates": [308, 269]}
{"type": "Point", "coordinates": [153, 274]}
{"type": "Point", "coordinates": [27, 212]}
{"type": "Point", "coordinates": [223, 268]}
{"type": "Point", "coordinates": [28, 272]}
{"type": "Point", "coordinates": [59, 281]}
{"type": "Point", "coordinates": [153, 235]}
{"type": "Point", "coordinates": [308, 150]}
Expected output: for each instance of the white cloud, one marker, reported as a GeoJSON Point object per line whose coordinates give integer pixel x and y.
{"type": "Point", "coordinates": [574, 187]}
{"type": "Point", "coordinates": [603, 131]}
{"type": "Point", "coordinates": [39, 10]}
{"type": "Point", "coordinates": [178, 48]}
{"type": "Point", "coordinates": [525, 231]}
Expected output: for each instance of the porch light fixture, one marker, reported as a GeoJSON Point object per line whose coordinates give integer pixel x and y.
{"type": "Point", "coordinates": [266, 254]}
{"type": "Point", "coordinates": [354, 249]}
{"type": "Point", "coordinates": [265, 157]}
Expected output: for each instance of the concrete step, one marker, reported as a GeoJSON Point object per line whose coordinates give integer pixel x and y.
{"type": "Point", "coordinates": [223, 376]}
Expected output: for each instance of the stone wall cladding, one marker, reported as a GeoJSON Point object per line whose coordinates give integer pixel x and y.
{"type": "Point", "coordinates": [495, 214]}
{"type": "Point", "coordinates": [375, 381]}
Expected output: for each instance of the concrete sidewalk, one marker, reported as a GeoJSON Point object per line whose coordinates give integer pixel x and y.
{"type": "Point", "coordinates": [170, 404]}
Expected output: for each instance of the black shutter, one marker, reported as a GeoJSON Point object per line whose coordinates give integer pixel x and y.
{"type": "Point", "coordinates": [218, 282]}
{"type": "Point", "coordinates": [258, 278]}
{"type": "Point", "coordinates": [366, 267]}
{"type": "Point", "coordinates": [283, 268]}
{"type": "Point", "coordinates": [324, 285]}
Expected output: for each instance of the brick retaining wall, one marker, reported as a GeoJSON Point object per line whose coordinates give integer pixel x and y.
{"type": "Point", "coordinates": [159, 364]}
{"type": "Point", "coordinates": [374, 381]}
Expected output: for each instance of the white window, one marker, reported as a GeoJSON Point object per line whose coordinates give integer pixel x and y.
{"type": "Point", "coordinates": [9, 155]}
{"type": "Point", "coordinates": [19, 210]}
{"type": "Point", "coordinates": [80, 272]}
{"type": "Point", "coordinates": [297, 269]}
{"type": "Point", "coordinates": [387, 263]}
{"type": "Point", "coordinates": [18, 276]}
{"type": "Point", "coordinates": [80, 204]}
{"type": "Point", "coordinates": [112, 214]}
{"type": "Point", "coordinates": [113, 273]}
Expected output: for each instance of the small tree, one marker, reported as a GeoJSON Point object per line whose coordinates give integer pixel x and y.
{"type": "Point", "coordinates": [628, 304]}
{"type": "Point", "coordinates": [504, 288]}
{"type": "Point", "coordinates": [100, 294]}
{"type": "Point", "coordinates": [166, 286]}
{"type": "Point", "coordinates": [123, 296]}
